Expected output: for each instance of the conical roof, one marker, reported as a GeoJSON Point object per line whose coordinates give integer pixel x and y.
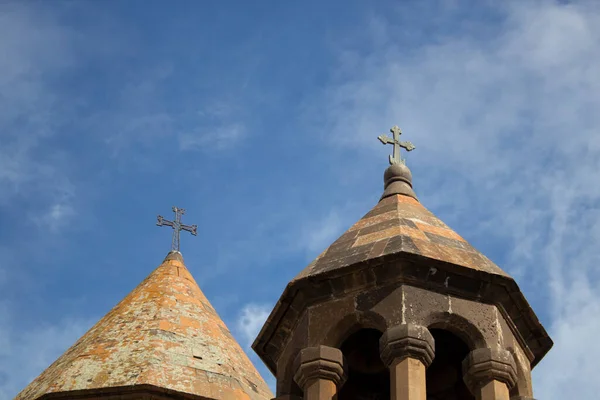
{"type": "Point", "coordinates": [399, 240]}
{"type": "Point", "coordinates": [399, 223]}
{"type": "Point", "coordinates": [164, 337]}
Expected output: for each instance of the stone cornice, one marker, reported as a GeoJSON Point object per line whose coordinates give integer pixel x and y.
{"type": "Point", "coordinates": [122, 393]}
{"type": "Point", "coordinates": [410, 269]}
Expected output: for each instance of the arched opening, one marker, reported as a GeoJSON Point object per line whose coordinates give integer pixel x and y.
{"type": "Point", "coordinates": [445, 376]}
{"type": "Point", "coordinates": [368, 377]}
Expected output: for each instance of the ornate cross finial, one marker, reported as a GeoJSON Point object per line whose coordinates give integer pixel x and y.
{"type": "Point", "coordinates": [395, 140]}
{"type": "Point", "coordinates": [177, 227]}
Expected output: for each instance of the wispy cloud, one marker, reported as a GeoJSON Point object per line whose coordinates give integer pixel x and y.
{"type": "Point", "coordinates": [141, 118]}
{"type": "Point", "coordinates": [218, 137]}
{"type": "Point", "coordinates": [56, 216]}
{"type": "Point", "coordinates": [319, 233]}
{"type": "Point", "coordinates": [251, 319]}
{"type": "Point", "coordinates": [503, 116]}
{"type": "Point", "coordinates": [219, 126]}
{"type": "Point", "coordinates": [35, 51]}
{"type": "Point", "coordinates": [505, 119]}
{"type": "Point", "coordinates": [23, 355]}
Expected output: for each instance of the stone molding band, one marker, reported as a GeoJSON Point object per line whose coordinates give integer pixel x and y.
{"type": "Point", "coordinates": [484, 365]}
{"type": "Point", "coordinates": [407, 340]}
{"type": "Point", "coordinates": [321, 362]}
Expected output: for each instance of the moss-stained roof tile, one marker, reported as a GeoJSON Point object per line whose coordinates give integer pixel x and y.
{"type": "Point", "coordinates": [164, 333]}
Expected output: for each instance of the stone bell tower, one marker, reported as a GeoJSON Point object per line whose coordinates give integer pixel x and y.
{"type": "Point", "coordinates": [401, 307]}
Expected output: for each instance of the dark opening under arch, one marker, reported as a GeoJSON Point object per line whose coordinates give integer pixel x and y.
{"type": "Point", "coordinates": [368, 377]}
{"type": "Point", "coordinates": [445, 376]}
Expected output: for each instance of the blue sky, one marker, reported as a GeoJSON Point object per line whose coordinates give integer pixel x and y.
{"type": "Point", "coordinates": [261, 118]}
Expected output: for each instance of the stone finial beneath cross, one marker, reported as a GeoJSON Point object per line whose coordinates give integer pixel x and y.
{"type": "Point", "coordinates": [395, 140]}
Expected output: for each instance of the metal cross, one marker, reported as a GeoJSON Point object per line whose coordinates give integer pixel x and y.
{"type": "Point", "coordinates": [177, 227]}
{"type": "Point", "coordinates": [395, 158]}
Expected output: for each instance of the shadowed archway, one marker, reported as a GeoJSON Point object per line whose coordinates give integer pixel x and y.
{"type": "Point", "coordinates": [368, 377]}
{"type": "Point", "coordinates": [445, 376]}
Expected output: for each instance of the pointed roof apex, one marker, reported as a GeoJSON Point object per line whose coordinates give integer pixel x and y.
{"type": "Point", "coordinates": [174, 255]}
{"type": "Point", "coordinates": [163, 337]}
{"type": "Point", "coordinates": [397, 178]}
{"type": "Point", "coordinates": [399, 241]}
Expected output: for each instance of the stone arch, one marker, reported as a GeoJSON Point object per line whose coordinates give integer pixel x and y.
{"type": "Point", "coordinates": [352, 323]}
{"type": "Point", "coordinates": [522, 386]}
{"type": "Point", "coordinates": [444, 377]}
{"type": "Point", "coordinates": [285, 379]}
{"type": "Point", "coordinates": [367, 375]}
{"type": "Point", "coordinates": [459, 326]}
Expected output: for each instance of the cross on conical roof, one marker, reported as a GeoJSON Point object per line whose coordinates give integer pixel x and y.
{"type": "Point", "coordinates": [399, 239]}
{"type": "Point", "coordinates": [399, 223]}
{"type": "Point", "coordinates": [177, 226]}
{"type": "Point", "coordinates": [163, 338]}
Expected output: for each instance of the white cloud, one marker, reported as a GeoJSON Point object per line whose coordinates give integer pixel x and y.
{"type": "Point", "coordinates": [318, 234]}
{"type": "Point", "coordinates": [56, 216]}
{"type": "Point", "coordinates": [251, 320]}
{"type": "Point", "coordinates": [505, 123]}
{"type": "Point", "coordinates": [34, 51]}
{"type": "Point", "coordinates": [140, 119]}
{"type": "Point", "coordinates": [249, 323]}
{"type": "Point", "coordinates": [572, 364]}
{"type": "Point", "coordinates": [25, 354]}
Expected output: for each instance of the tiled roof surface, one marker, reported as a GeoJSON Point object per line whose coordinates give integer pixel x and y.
{"type": "Point", "coordinates": [397, 224]}
{"type": "Point", "coordinates": [165, 333]}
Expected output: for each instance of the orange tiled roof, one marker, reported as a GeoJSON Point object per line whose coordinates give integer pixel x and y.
{"type": "Point", "coordinates": [164, 334]}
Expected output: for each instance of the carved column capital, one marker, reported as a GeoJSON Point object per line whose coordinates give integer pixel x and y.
{"type": "Point", "coordinates": [407, 340]}
{"type": "Point", "coordinates": [484, 365]}
{"type": "Point", "coordinates": [321, 362]}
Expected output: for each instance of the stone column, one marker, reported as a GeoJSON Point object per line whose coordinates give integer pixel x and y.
{"type": "Point", "coordinates": [490, 373]}
{"type": "Point", "coordinates": [320, 372]}
{"type": "Point", "coordinates": [407, 350]}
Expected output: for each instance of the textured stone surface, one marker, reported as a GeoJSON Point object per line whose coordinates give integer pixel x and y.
{"type": "Point", "coordinates": [492, 390]}
{"type": "Point", "coordinates": [484, 365]}
{"type": "Point", "coordinates": [400, 264]}
{"type": "Point", "coordinates": [165, 334]}
{"type": "Point", "coordinates": [399, 224]}
{"type": "Point", "coordinates": [408, 380]}
{"type": "Point", "coordinates": [407, 341]}
{"type": "Point", "coordinates": [133, 392]}
{"type": "Point", "coordinates": [320, 362]}
{"type": "Point", "coordinates": [400, 242]}
{"type": "Point", "coordinates": [398, 180]}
